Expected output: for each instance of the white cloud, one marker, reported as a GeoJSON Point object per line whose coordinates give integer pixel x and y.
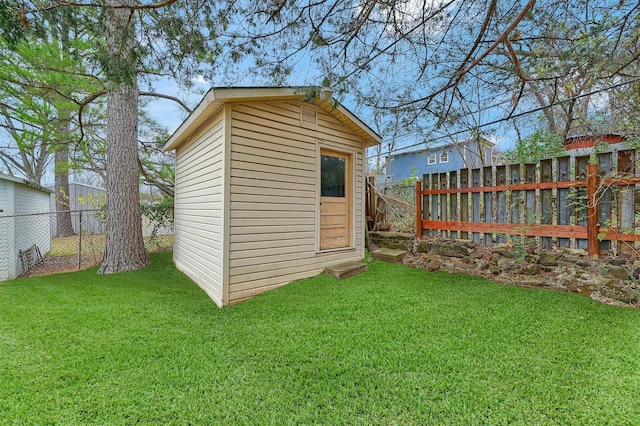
{"type": "Point", "coordinates": [200, 80]}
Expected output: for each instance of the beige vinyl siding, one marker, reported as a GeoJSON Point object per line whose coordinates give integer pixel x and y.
{"type": "Point", "coordinates": [272, 227]}
{"type": "Point", "coordinates": [199, 208]}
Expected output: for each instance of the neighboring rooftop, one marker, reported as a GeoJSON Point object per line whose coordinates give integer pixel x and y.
{"type": "Point", "coordinates": [24, 182]}
{"type": "Point", "coordinates": [440, 147]}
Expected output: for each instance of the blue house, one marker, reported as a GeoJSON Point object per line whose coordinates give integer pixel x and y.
{"type": "Point", "coordinates": [440, 159]}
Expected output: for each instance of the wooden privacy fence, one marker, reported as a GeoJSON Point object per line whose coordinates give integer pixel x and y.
{"type": "Point", "coordinates": [565, 201]}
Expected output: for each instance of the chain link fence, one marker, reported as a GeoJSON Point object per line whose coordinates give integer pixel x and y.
{"type": "Point", "coordinates": [41, 243]}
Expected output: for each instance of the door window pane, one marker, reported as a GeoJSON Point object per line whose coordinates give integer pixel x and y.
{"type": "Point", "coordinates": [332, 175]}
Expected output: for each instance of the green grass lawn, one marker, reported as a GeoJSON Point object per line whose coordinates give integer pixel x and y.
{"type": "Point", "coordinates": [392, 346]}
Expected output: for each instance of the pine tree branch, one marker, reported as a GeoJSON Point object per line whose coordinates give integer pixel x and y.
{"type": "Point", "coordinates": [169, 97]}
{"type": "Point", "coordinates": [132, 7]}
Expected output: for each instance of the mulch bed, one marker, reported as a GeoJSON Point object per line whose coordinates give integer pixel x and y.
{"type": "Point", "coordinates": [58, 264]}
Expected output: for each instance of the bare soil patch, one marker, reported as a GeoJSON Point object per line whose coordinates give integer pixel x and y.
{"type": "Point", "coordinates": [58, 264]}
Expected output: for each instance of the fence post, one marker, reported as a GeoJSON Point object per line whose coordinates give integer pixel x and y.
{"type": "Point", "coordinates": [80, 240]}
{"type": "Point", "coordinates": [370, 202]}
{"type": "Point", "coordinates": [418, 209]}
{"type": "Point", "coordinates": [593, 181]}
{"type": "Point", "coordinates": [546, 200]}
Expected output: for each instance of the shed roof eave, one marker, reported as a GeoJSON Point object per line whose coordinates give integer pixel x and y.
{"type": "Point", "coordinates": [215, 98]}
{"type": "Point", "coordinates": [191, 122]}
{"type": "Point", "coordinates": [25, 182]}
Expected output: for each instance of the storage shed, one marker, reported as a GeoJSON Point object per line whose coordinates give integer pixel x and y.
{"type": "Point", "coordinates": [269, 189]}
{"type": "Point", "coordinates": [24, 221]}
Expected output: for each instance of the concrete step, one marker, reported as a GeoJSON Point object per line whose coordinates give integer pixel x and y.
{"type": "Point", "coordinates": [388, 255]}
{"type": "Point", "coordinates": [346, 270]}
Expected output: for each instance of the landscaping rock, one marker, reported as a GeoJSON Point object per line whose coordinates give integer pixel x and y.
{"type": "Point", "coordinates": [448, 249]}
{"type": "Point", "coordinates": [548, 259]}
{"type": "Point", "coordinates": [537, 283]}
{"type": "Point", "coordinates": [468, 244]}
{"type": "Point", "coordinates": [412, 263]}
{"type": "Point", "coordinates": [476, 254]}
{"type": "Point", "coordinates": [508, 265]}
{"type": "Point", "coordinates": [423, 246]}
{"type": "Point", "coordinates": [571, 285]}
{"type": "Point", "coordinates": [618, 272]}
{"type": "Point", "coordinates": [563, 269]}
{"type": "Point", "coordinates": [575, 252]}
{"type": "Point", "coordinates": [392, 240]}
{"type": "Point", "coordinates": [531, 269]}
{"type": "Point", "coordinates": [586, 289]}
{"type": "Point", "coordinates": [433, 265]}
{"type": "Point", "coordinates": [482, 264]}
{"type": "Point", "coordinates": [624, 255]}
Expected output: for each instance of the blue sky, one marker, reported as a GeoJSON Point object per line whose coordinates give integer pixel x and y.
{"type": "Point", "coordinates": [169, 113]}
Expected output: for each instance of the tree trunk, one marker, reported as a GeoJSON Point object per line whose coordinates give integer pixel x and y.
{"type": "Point", "coordinates": [124, 249]}
{"type": "Point", "coordinates": [64, 226]}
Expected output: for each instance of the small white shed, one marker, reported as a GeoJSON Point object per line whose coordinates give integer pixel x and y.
{"type": "Point", "coordinates": [269, 189]}
{"type": "Point", "coordinates": [24, 221]}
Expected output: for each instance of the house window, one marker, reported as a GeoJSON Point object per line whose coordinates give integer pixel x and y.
{"type": "Point", "coordinates": [431, 159]}
{"type": "Point", "coordinates": [444, 157]}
